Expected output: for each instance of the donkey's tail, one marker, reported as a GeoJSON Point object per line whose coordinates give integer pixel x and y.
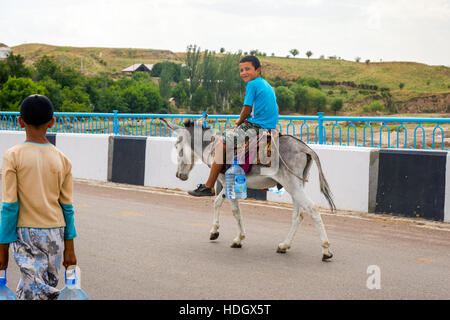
{"type": "Point", "coordinates": [324, 187]}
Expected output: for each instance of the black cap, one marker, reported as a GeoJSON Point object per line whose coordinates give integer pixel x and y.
{"type": "Point", "coordinates": [36, 110]}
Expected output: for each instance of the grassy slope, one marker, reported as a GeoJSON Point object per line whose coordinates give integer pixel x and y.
{"type": "Point", "coordinates": [95, 60]}
{"type": "Point", "coordinates": [419, 79]}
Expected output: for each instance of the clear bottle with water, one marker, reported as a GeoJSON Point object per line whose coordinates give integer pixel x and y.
{"type": "Point", "coordinates": [72, 290]}
{"type": "Point", "coordinates": [235, 182]}
{"type": "Point", "coordinates": [5, 292]}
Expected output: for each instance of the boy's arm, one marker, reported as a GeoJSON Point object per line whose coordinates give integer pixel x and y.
{"type": "Point", "coordinates": [10, 210]}
{"type": "Point", "coordinates": [245, 112]}
{"type": "Point", "coordinates": [10, 205]}
{"type": "Point", "coordinates": [65, 201]}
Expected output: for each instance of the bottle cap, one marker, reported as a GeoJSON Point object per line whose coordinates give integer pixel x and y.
{"type": "Point", "coordinates": [72, 280]}
{"type": "Point", "coordinates": [235, 162]}
{"type": "Point", "coordinates": [3, 280]}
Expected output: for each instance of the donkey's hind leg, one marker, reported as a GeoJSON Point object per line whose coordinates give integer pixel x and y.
{"type": "Point", "coordinates": [317, 219]}
{"type": "Point", "coordinates": [326, 252]}
{"type": "Point", "coordinates": [214, 233]}
{"type": "Point", "coordinates": [237, 242]}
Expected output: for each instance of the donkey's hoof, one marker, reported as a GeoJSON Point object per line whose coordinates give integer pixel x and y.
{"type": "Point", "coordinates": [325, 257]}
{"type": "Point", "coordinates": [214, 236]}
{"type": "Point", "coordinates": [236, 245]}
{"type": "Point", "coordinates": [279, 250]}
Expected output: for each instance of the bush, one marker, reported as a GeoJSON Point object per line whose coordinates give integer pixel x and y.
{"type": "Point", "coordinates": [337, 104]}
{"type": "Point", "coordinates": [374, 107]}
{"type": "Point", "coordinates": [310, 82]}
{"type": "Point", "coordinates": [285, 98]}
{"type": "Point", "coordinates": [308, 99]}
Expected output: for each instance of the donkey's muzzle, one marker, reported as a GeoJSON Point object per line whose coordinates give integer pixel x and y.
{"type": "Point", "coordinates": [182, 176]}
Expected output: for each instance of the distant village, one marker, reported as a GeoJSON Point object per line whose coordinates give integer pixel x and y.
{"type": "Point", "coordinates": [5, 51]}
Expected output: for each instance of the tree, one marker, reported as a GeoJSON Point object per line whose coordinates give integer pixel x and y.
{"type": "Point", "coordinates": [367, 61]}
{"type": "Point", "coordinates": [111, 99]}
{"type": "Point", "coordinates": [53, 92]}
{"type": "Point", "coordinates": [165, 81]}
{"type": "Point", "coordinates": [76, 100]}
{"type": "Point", "coordinates": [180, 92]}
{"type": "Point", "coordinates": [309, 54]}
{"type": "Point", "coordinates": [294, 52]}
{"type": "Point", "coordinates": [13, 66]}
{"type": "Point", "coordinates": [46, 67]}
{"type": "Point", "coordinates": [317, 99]}
{"type": "Point", "coordinates": [15, 90]}
{"type": "Point", "coordinates": [300, 100]}
{"type": "Point", "coordinates": [285, 98]}
{"type": "Point", "coordinates": [193, 69]}
{"type": "Point", "coordinates": [401, 85]}
{"type": "Point", "coordinates": [175, 69]}
{"type": "Point", "coordinates": [337, 104]}
{"type": "Point", "coordinates": [358, 59]}
{"type": "Point", "coordinates": [209, 69]}
{"type": "Point", "coordinates": [199, 99]}
{"type": "Point", "coordinates": [308, 99]}
{"type": "Point", "coordinates": [229, 80]}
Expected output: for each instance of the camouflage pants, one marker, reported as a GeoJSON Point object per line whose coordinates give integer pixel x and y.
{"type": "Point", "coordinates": [38, 253]}
{"type": "Point", "coordinates": [237, 135]}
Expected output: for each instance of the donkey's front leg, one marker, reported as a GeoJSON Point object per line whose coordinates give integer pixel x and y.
{"type": "Point", "coordinates": [214, 233]}
{"type": "Point", "coordinates": [237, 242]}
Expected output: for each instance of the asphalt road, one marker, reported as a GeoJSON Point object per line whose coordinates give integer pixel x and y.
{"type": "Point", "coordinates": [147, 243]}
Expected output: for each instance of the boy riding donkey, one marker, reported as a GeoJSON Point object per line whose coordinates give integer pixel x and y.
{"type": "Point", "coordinates": [260, 111]}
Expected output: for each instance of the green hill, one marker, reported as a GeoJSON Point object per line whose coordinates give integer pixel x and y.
{"type": "Point", "coordinates": [430, 84]}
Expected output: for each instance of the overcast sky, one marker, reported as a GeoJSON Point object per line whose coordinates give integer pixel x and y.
{"type": "Point", "coordinates": [391, 30]}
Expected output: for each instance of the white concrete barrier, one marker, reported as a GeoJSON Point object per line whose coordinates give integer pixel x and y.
{"type": "Point", "coordinates": [352, 172]}
{"type": "Point", "coordinates": [161, 166]}
{"type": "Point", "coordinates": [9, 139]}
{"type": "Point", "coordinates": [87, 152]}
{"type": "Point", "coordinates": [347, 170]}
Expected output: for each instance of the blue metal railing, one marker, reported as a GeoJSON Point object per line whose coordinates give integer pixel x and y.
{"type": "Point", "coordinates": [381, 132]}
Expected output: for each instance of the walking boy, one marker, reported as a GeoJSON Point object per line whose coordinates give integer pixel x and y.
{"type": "Point", "coordinates": [260, 111]}
{"type": "Point", "coordinates": [37, 211]}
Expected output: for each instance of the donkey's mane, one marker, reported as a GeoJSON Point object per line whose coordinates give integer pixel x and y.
{"type": "Point", "coordinates": [190, 124]}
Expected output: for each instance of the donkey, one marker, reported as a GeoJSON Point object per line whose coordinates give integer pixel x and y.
{"type": "Point", "coordinates": [291, 172]}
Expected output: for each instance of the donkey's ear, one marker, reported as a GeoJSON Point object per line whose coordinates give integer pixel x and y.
{"type": "Point", "coordinates": [170, 124]}
{"type": "Point", "coordinates": [202, 120]}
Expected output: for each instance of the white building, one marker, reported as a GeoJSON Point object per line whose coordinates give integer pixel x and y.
{"type": "Point", "coordinates": [138, 67]}
{"type": "Point", "coordinates": [5, 51]}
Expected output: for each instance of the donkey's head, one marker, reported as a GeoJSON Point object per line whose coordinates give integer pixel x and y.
{"type": "Point", "coordinates": [189, 144]}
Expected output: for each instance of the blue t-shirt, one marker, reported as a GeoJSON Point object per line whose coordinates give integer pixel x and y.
{"type": "Point", "coordinates": [261, 97]}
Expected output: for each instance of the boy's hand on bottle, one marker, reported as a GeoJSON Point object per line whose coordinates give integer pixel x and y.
{"type": "Point", "coordinates": [4, 256]}
{"type": "Point", "coordinates": [70, 258]}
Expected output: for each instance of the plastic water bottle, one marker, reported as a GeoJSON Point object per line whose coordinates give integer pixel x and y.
{"type": "Point", "coordinates": [72, 289]}
{"type": "Point", "coordinates": [5, 292]}
{"type": "Point", "coordinates": [235, 182]}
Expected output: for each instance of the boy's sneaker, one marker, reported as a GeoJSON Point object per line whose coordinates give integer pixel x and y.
{"type": "Point", "coordinates": [202, 191]}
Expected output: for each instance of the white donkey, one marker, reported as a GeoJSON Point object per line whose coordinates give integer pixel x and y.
{"type": "Point", "coordinates": [291, 172]}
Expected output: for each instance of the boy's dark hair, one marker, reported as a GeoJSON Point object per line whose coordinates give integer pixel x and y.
{"type": "Point", "coordinates": [254, 60]}
{"type": "Point", "coordinates": [36, 110]}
